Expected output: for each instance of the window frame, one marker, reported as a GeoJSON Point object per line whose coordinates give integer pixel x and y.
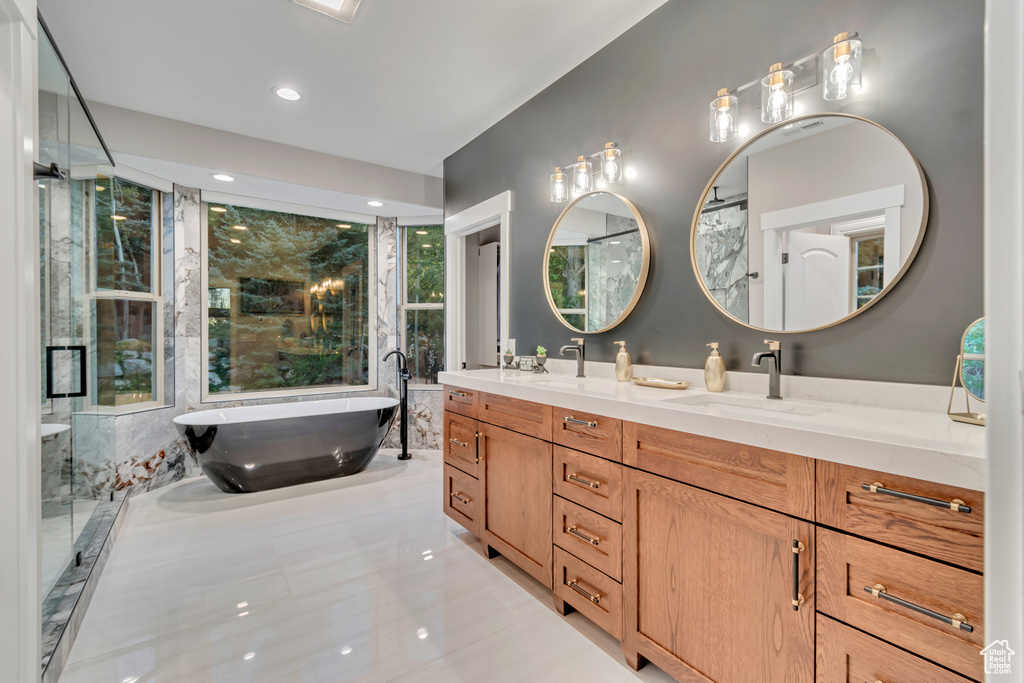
{"type": "Point", "coordinates": [155, 296]}
{"type": "Point", "coordinates": [405, 306]}
{"type": "Point", "coordinates": [204, 283]}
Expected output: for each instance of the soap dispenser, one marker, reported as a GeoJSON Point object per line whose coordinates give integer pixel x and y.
{"type": "Point", "coordinates": [714, 370]}
{"type": "Point", "coordinates": [623, 363]}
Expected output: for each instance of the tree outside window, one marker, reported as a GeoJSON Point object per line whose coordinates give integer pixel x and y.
{"type": "Point", "coordinates": [423, 301]}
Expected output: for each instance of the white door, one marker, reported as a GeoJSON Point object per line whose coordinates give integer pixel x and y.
{"type": "Point", "coordinates": [487, 311]}
{"type": "Point", "coordinates": [817, 280]}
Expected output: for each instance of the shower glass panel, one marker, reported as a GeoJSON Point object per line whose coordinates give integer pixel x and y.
{"type": "Point", "coordinates": [77, 432]}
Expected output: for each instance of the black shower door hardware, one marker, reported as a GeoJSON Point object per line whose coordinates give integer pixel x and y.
{"type": "Point", "coordinates": [82, 373]}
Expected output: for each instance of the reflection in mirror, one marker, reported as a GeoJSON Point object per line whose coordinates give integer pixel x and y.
{"type": "Point", "coordinates": [972, 367]}
{"type": "Point", "coordinates": [809, 222]}
{"type": "Point", "coordinates": [596, 262]}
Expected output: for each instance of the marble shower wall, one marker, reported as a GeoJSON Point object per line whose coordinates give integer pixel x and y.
{"type": "Point", "coordinates": [721, 246]}
{"type": "Point", "coordinates": [613, 271]}
{"type": "Point", "coordinates": [149, 452]}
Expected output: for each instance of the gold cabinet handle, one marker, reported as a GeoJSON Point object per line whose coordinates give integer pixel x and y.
{"type": "Point", "coordinates": [595, 598]}
{"type": "Point", "coordinates": [463, 444]}
{"type": "Point", "coordinates": [956, 505]}
{"type": "Point", "coordinates": [464, 501]}
{"type": "Point", "coordinates": [798, 598]}
{"type": "Point", "coordinates": [956, 621]}
{"type": "Point", "coordinates": [576, 478]}
{"type": "Point", "coordinates": [585, 423]}
{"type": "Point", "coordinates": [592, 541]}
{"type": "Point", "coordinates": [460, 394]}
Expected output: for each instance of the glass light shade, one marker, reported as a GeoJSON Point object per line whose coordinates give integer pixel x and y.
{"type": "Point", "coordinates": [777, 95]}
{"type": "Point", "coordinates": [582, 181]}
{"type": "Point", "coordinates": [724, 119]}
{"type": "Point", "coordinates": [559, 186]}
{"type": "Point", "coordinates": [611, 163]}
{"type": "Point", "coordinates": [841, 65]}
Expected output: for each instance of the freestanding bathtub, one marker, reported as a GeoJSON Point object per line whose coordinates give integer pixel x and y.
{"type": "Point", "coordinates": [256, 448]}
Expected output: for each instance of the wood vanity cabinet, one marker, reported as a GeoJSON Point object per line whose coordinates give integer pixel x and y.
{"type": "Point", "coordinates": [719, 561]}
{"type": "Point", "coordinates": [710, 584]}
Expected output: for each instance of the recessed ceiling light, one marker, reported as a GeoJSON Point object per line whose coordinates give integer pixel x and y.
{"type": "Point", "coordinates": [100, 188]}
{"type": "Point", "coordinates": [375, 203]}
{"type": "Point", "coordinates": [223, 177]}
{"type": "Point", "coordinates": [288, 94]}
{"type": "Point", "coordinates": [218, 209]}
{"type": "Point", "coordinates": [427, 246]}
{"type": "Point", "coordinates": [236, 241]}
{"type": "Point", "coordinates": [421, 232]}
{"type": "Point", "coordinates": [239, 227]}
{"type": "Point", "coordinates": [344, 226]}
{"type": "Point", "coordinates": [119, 218]}
{"type": "Point", "coordinates": [248, 655]}
{"type": "Point", "coordinates": [343, 10]}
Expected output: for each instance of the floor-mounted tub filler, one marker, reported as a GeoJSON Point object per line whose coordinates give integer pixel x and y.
{"type": "Point", "coordinates": [257, 448]}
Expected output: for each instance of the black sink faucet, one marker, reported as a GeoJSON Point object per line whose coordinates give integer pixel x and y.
{"type": "Point", "coordinates": [774, 355]}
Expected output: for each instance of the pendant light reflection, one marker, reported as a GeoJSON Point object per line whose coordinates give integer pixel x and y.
{"type": "Point", "coordinates": [777, 94]}
{"type": "Point", "coordinates": [559, 192]}
{"type": "Point", "coordinates": [841, 68]}
{"type": "Point", "coordinates": [582, 182]}
{"type": "Point", "coordinates": [724, 117]}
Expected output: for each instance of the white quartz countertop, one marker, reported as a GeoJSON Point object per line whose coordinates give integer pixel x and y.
{"type": "Point", "coordinates": [912, 443]}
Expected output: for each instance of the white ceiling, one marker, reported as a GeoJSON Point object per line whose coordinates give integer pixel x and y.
{"type": "Point", "coordinates": [404, 85]}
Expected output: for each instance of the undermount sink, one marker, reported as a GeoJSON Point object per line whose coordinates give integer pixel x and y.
{"type": "Point", "coordinates": [750, 406]}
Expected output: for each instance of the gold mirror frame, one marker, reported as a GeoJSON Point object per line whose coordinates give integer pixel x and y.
{"type": "Point", "coordinates": [645, 265]}
{"type": "Point", "coordinates": [725, 164]}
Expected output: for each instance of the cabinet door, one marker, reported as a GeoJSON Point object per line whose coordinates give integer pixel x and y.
{"type": "Point", "coordinates": [709, 583]}
{"type": "Point", "coordinates": [517, 498]}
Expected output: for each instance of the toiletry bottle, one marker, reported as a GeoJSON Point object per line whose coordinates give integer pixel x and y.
{"type": "Point", "coordinates": [623, 363]}
{"type": "Point", "coordinates": [714, 370]}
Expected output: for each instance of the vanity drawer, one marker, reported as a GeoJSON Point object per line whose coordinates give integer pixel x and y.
{"type": "Point", "coordinates": [772, 479]}
{"type": "Point", "coordinates": [594, 539]}
{"type": "Point", "coordinates": [589, 433]}
{"type": "Point", "coordinates": [462, 499]}
{"type": "Point", "coordinates": [594, 483]}
{"type": "Point", "coordinates": [525, 417]}
{"type": "Point", "coordinates": [461, 401]}
{"type": "Point", "coordinates": [596, 596]}
{"type": "Point", "coordinates": [932, 529]}
{"type": "Point", "coordinates": [846, 655]}
{"type": "Point", "coordinates": [460, 447]}
{"type": "Point", "coordinates": [849, 568]}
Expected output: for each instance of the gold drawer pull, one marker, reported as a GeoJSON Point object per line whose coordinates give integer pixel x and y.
{"type": "Point", "coordinates": [592, 541]}
{"type": "Point", "coordinates": [463, 444]}
{"type": "Point", "coordinates": [460, 394]}
{"type": "Point", "coordinates": [956, 505]}
{"type": "Point", "coordinates": [585, 423]}
{"type": "Point", "coordinates": [956, 621]}
{"type": "Point", "coordinates": [576, 478]}
{"type": "Point", "coordinates": [464, 501]}
{"type": "Point", "coordinates": [595, 598]}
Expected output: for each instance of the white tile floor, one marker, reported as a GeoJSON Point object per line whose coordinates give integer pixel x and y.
{"type": "Point", "coordinates": [355, 579]}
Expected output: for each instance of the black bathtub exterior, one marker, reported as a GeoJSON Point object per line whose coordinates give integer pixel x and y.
{"type": "Point", "coordinates": [264, 454]}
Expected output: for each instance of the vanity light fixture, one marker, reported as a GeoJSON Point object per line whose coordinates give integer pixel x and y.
{"type": "Point", "coordinates": [611, 163]}
{"type": "Point", "coordinates": [559, 192]}
{"type": "Point", "coordinates": [724, 117]}
{"type": "Point", "coordinates": [841, 66]}
{"type": "Point", "coordinates": [223, 177]}
{"type": "Point", "coordinates": [777, 94]}
{"type": "Point", "coordinates": [582, 182]}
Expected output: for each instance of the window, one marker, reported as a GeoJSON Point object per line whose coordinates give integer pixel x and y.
{"type": "Point", "coordinates": [567, 273]}
{"type": "Point", "coordinates": [124, 313]}
{"type": "Point", "coordinates": [423, 301]}
{"type": "Point", "coordinates": [869, 267]}
{"type": "Point", "coordinates": [288, 302]}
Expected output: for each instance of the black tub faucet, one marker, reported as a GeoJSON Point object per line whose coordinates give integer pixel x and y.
{"type": "Point", "coordinates": [774, 355]}
{"type": "Point", "coordinates": [403, 396]}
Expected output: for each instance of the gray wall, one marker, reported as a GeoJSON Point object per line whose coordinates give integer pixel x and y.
{"type": "Point", "coordinates": [649, 91]}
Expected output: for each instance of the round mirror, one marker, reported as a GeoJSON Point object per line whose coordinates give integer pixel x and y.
{"type": "Point", "coordinates": [972, 367]}
{"type": "Point", "coordinates": [596, 262]}
{"type": "Point", "coordinates": [809, 223]}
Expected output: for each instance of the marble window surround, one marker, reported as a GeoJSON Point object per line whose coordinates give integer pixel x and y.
{"type": "Point", "coordinates": [149, 452]}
